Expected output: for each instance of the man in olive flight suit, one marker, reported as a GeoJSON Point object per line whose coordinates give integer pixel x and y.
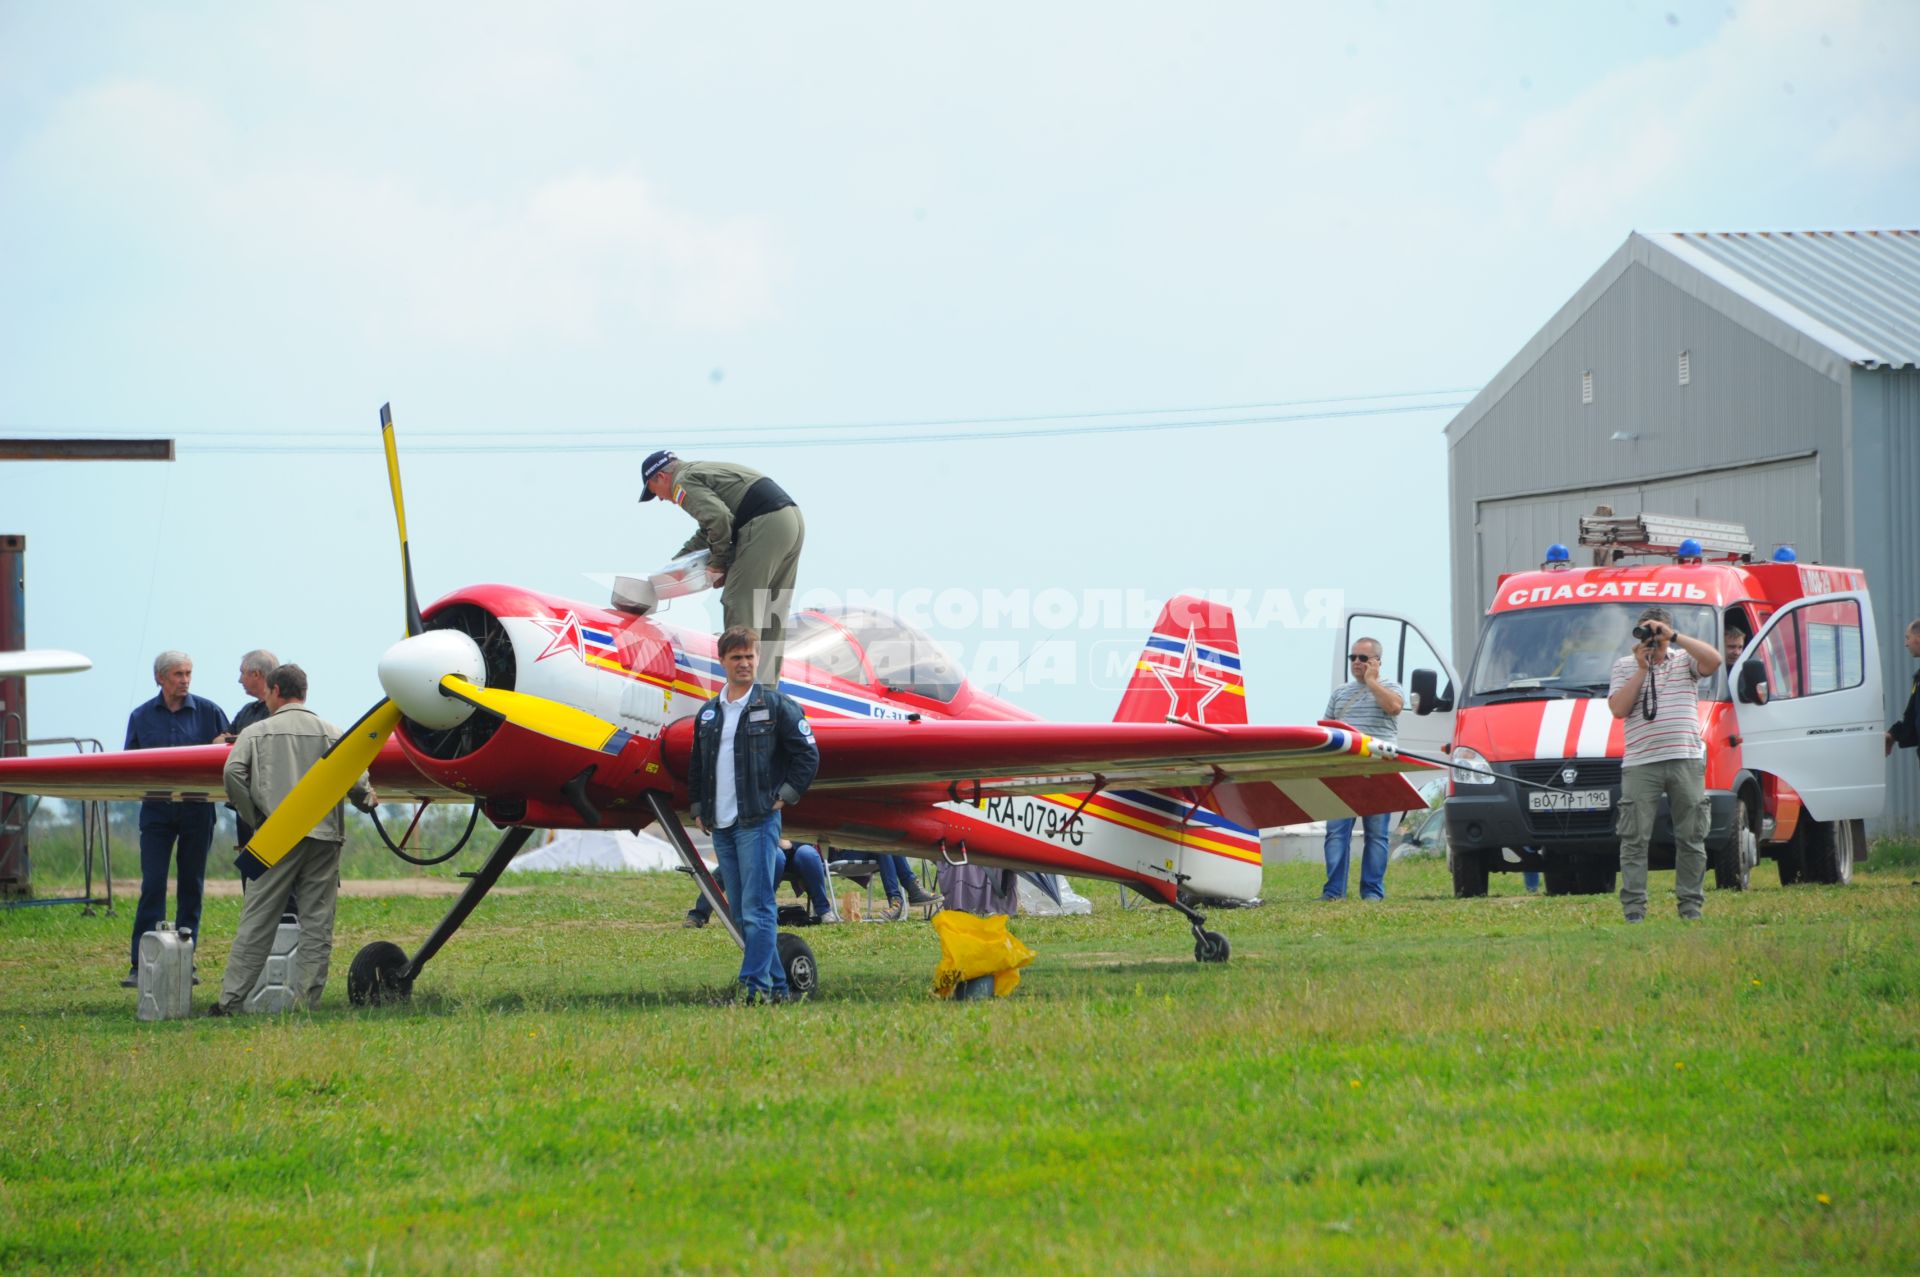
{"type": "Point", "coordinates": [754, 532]}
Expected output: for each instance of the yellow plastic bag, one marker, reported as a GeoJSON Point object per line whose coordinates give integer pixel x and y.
{"type": "Point", "coordinates": [972, 946]}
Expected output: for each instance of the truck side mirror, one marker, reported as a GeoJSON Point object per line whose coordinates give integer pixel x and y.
{"type": "Point", "coordinates": [1753, 683]}
{"type": "Point", "coordinates": [1427, 696]}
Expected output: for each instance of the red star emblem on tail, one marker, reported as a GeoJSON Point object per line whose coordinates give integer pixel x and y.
{"type": "Point", "coordinates": [1188, 688]}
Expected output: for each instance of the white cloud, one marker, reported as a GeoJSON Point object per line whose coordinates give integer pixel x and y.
{"type": "Point", "coordinates": [580, 256]}
{"type": "Point", "coordinates": [1782, 88]}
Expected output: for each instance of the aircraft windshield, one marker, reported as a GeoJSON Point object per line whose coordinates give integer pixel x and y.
{"type": "Point", "coordinates": [818, 642]}
{"type": "Point", "coordinates": [1551, 652]}
{"type": "Point", "coordinates": [903, 659]}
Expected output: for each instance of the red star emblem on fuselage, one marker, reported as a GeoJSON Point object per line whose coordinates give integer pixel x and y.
{"type": "Point", "coordinates": [566, 636]}
{"type": "Point", "coordinates": [1189, 690]}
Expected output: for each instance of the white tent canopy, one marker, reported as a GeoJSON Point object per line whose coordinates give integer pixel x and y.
{"type": "Point", "coordinates": [607, 850]}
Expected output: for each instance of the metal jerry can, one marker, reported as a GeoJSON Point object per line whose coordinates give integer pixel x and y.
{"type": "Point", "coordinates": [166, 974]}
{"type": "Point", "coordinates": [273, 992]}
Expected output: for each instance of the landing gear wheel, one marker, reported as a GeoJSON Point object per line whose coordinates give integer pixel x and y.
{"type": "Point", "coordinates": [1469, 868]}
{"type": "Point", "coordinates": [1211, 946]}
{"type": "Point", "coordinates": [375, 978]}
{"type": "Point", "coordinates": [1733, 863]}
{"type": "Point", "coordinates": [797, 960]}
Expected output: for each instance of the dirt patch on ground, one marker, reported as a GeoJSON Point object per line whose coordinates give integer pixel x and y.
{"type": "Point", "coordinates": [129, 888]}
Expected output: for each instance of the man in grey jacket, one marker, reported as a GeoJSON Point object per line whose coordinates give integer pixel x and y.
{"type": "Point", "coordinates": [267, 762]}
{"type": "Point", "coordinates": [753, 531]}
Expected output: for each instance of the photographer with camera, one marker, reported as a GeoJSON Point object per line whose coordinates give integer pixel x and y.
{"type": "Point", "coordinates": [1657, 691]}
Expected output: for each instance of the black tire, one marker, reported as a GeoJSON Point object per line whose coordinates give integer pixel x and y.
{"type": "Point", "coordinates": [797, 960]}
{"type": "Point", "coordinates": [1733, 863]}
{"type": "Point", "coordinates": [1561, 878]}
{"type": "Point", "coordinates": [1594, 878]}
{"type": "Point", "coordinates": [1211, 946]}
{"type": "Point", "coordinates": [375, 978]}
{"type": "Point", "coordinates": [1790, 856]}
{"type": "Point", "coordinates": [1829, 852]}
{"type": "Point", "coordinates": [1469, 868]}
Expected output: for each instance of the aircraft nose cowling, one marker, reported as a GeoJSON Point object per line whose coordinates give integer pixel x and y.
{"type": "Point", "coordinates": [411, 671]}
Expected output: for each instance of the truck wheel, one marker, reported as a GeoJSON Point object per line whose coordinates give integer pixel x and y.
{"type": "Point", "coordinates": [1594, 879]}
{"type": "Point", "coordinates": [1829, 852]}
{"type": "Point", "coordinates": [1562, 879]}
{"type": "Point", "coordinates": [1469, 868]}
{"type": "Point", "coordinates": [1733, 863]}
{"type": "Point", "coordinates": [1790, 857]}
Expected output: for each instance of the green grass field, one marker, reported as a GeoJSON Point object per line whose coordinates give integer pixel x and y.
{"type": "Point", "coordinates": [1515, 1084]}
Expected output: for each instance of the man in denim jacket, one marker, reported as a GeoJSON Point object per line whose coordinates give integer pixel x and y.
{"type": "Point", "coordinates": [753, 753]}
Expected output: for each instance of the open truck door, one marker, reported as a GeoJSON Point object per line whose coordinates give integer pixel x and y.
{"type": "Point", "coordinates": [1807, 699]}
{"type": "Point", "coordinates": [1409, 658]}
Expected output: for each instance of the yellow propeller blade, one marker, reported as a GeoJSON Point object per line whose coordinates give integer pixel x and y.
{"type": "Point", "coordinates": [319, 791]}
{"type": "Point", "coordinates": [399, 516]}
{"type": "Point", "coordinates": [538, 714]}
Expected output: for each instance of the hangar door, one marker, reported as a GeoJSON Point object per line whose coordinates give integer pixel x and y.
{"type": "Point", "coordinates": [1778, 501]}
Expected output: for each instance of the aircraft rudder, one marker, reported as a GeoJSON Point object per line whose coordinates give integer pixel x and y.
{"type": "Point", "coordinates": [1189, 667]}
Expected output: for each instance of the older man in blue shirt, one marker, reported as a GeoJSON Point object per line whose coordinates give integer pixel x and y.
{"type": "Point", "coordinates": [175, 717]}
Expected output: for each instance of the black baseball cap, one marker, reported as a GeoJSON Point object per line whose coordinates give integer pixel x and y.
{"type": "Point", "coordinates": [654, 464]}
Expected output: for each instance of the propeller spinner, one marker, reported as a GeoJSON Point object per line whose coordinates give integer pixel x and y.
{"type": "Point", "coordinates": [436, 678]}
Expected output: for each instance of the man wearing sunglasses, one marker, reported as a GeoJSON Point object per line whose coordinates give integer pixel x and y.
{"type": "Point", "coordinates": [1371, 704]}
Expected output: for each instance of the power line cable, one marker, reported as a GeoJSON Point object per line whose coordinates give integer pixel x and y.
{"type": "Point", "coordinates": [626, 441]}
{"type": "Point", "coordinates": [784, 427]}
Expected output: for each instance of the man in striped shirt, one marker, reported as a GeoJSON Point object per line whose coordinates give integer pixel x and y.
{"type": "Point", "coordinates": [1657, 691]}
{"type": "Point", "coordinates": [1370, 703]}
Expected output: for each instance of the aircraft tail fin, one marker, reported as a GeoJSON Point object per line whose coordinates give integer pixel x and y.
{"type": "Point", "coordinates": [1189, 668]}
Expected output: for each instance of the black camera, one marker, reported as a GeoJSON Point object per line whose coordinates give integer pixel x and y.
{"type": "Point", "coordinates": [1644, 633]}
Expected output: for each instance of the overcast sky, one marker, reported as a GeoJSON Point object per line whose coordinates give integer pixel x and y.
{"type": "Point", "coordinates": [558, 236]}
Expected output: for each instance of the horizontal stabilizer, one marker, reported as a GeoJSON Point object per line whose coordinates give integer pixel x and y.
{"type": "Point", "coordinates": [1269, 804]}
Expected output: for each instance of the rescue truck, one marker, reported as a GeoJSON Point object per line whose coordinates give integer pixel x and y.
{"type": "Point", "coordinates": [1792, 727]}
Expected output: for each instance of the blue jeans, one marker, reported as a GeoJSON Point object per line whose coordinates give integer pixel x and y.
{"type": "Point", "coordinates": [804, 870]}
{"type": "Point", "coordinates": [1373, 858]}
{"type": "Point", "coordinates": [161, 826]}
{"type": "Point", "coordinates": [749, 854]}
{"type": "Point", "coordinates": [808, 874]}
{"type": "Point", "coordinates": [895, 873]}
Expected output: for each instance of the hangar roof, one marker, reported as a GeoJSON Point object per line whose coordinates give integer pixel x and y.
{"type": "Point", "coordinates": [1863, 286]}
{"type": "Point", "coordinates": [1834, 299]}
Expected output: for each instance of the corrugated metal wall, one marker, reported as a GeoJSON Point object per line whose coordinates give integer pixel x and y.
{"type": "Point", "coordinates": [1886, 429]}
{"type": "Point", "coordinates": [1746, 402]}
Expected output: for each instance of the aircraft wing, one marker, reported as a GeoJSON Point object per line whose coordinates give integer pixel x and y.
{"type": "Point", "coordinates": [42, 661]}
{"type": "Point", "coordinates": [187, 774]}
{"type": "Point", "coordinates": [1260, 775]}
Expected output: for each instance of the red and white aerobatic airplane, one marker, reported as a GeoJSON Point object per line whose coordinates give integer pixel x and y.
{"type": "Point", "coordinates": [552, 714]}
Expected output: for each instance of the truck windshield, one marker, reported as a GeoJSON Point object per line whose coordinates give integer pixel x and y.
{"type": "Point", "coordinates": [1551, 652]}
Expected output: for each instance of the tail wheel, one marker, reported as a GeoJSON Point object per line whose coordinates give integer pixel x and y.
{"type": "Point", "coordinates": [1211, 946]}
{"type": "Point", "coordinates": [1733, 862]}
